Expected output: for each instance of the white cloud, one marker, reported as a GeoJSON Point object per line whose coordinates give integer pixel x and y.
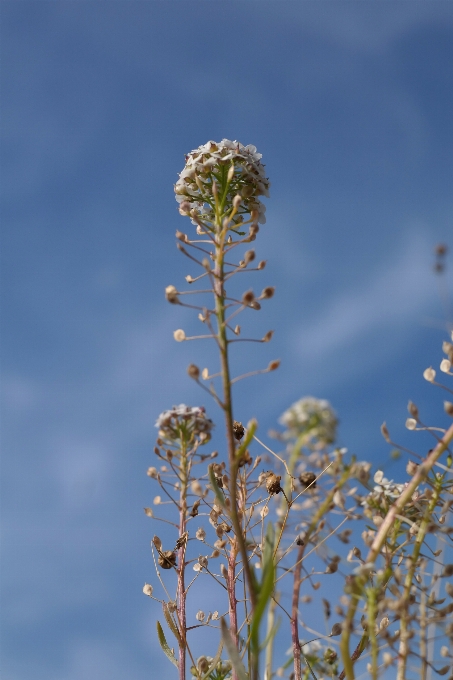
{"type": "Point", "coordinates": [401, 291]}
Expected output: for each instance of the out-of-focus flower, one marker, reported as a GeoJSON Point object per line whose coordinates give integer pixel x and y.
{"type": "Point", "coordinates": [313, 417]}
{"type": "Point", "coordinates": [209, 167]}
{"type": "Point", "coordinates": [185, 422]}
{"type": "Point", "coordinates": [384, 494]}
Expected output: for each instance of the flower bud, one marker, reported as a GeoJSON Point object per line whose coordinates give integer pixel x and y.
{"type": "Point", "coordinates": [184, 208]}
{"type": "Point", "coordinates": [237, 200]}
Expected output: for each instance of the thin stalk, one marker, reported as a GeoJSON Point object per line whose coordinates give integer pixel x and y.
{"type": "Point", "coordinates": [295, 614]}
{"type": "Point", "coordinates": [403, 650]}
{"type": "Point", "coordinates": [219, 291]}
{"type": "Point", "coordinates": [372, 615]}
{"type": "Point", "coordinates": [423, 635]}
{"type": "Point", "coordinates": [181, 582]}
{"type": "Point", "coordinates": [270, 645]}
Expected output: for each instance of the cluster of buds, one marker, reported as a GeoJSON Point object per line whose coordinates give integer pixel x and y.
{"type": "Point", "coordinates": [185, 422]}
{"type": "Point", "coordinates": [312, 417]}
{"type": "Point", "coordinates": [207, 168]}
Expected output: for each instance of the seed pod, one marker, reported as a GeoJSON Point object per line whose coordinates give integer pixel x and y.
{"type": "Point", "coordinates": [273, 483]}
{"type": "Point", "coordinates": [167, 559]}
{"type": "Point", "coordinates": [238, 430]}
{"type": "Point", "coordinates": [193, 371]}
{"type": "Point", "coordinates": [308, 479]}
{"type": "Point", "coordinates": [195, 506]}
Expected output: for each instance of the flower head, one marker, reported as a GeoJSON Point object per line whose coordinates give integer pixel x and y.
{"type": "Point", "coordinates": [225, 171]}
{"type": "Point", "coordinates": [313, 417]}
{"type": "Point", "coordinates": [185, 422]}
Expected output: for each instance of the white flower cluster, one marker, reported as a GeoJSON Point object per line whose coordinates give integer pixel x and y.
{"type": "Point", "coordinates": [190, 420]}
{"type": "Point", "coordinates": [311, 416]}
{"type": "Point", "coordinates": [384, 494]}
{"type": "Point", "coordinates": [212, 162]}
{"type": "Point", "coordinates": [386, 487]}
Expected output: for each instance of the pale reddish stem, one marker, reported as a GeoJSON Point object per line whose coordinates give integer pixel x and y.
{"type": "Point", "coordinates": [295, 614]}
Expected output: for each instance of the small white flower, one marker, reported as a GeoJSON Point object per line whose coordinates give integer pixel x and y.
{"type": "Point", "coordinates": [157, 500]}
{"type": "Point", "coordinates": [411, 424]}
{"type": "Point", "coordinates": [378, 477]}
{"type": "Point", "coordinates": [147, 589]}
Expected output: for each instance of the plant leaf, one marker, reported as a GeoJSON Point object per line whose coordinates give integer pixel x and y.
{"type": "Point", "coordinates": [163, 643]}
{"type": "Point", "coordinates": [266, 586]}
{"type": "Point", "coordinates": [215, 487]}
{"type": "Point", "coordinates": [171, 623]}
{"type": "Point", "coordinates": [233, 652]}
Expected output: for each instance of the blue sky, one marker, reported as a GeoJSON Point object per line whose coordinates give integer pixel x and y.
{"type": "Point", "coordinates": [350, 104]}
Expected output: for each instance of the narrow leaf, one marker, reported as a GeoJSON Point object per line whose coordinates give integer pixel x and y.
{"type": "Point", "coordinates": [163, 643]}
{"type": "Point", "coordinates": [233, 652]}
{"type": "Point", "coordinates": [215, 487]}
{"type": "Point", "coordinates": [171, 623]}
{"type": "Point", "coordinates": [266, 586]}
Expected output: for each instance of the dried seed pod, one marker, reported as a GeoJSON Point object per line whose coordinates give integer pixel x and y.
{"type": "Point", "coordinates": [225, 527]}
{"type": "Point", "coordinates": [167, 559]}
{"type": "Point", "coordinates": [246, 459]}
{"type": "Point", "coordinates": [273, 483]}
{"type": "Point", "coordinates": [238, 430]}
{"type": "Point", "coordinates": [308, 479]}
{"type": "Point", "coordinates": [195, 506]}
{"type": "Point", "coordinates": [182, 540]}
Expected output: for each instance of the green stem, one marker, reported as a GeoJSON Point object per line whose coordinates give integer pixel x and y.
{"type": "Point", "coordinates": [404, 612]}
{"type": "Point", "coordinates": [219, 291]}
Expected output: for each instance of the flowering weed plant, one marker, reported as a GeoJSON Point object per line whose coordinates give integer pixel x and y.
{"type": "Point", "coordinates": [279, 532]}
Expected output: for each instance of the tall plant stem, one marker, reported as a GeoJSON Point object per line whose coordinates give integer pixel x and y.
{"type": "Point", "coordinates": [181, 559]}
{"type": "Point", "coordinates": [295, 613]}
{"type": "Point", "coordinates": [219, 291]}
